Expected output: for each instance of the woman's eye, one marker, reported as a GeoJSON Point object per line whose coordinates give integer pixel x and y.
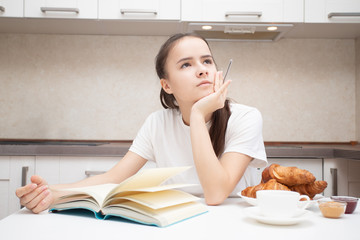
{"type": "Point", "coordinates": [208, 61]}
{"type": "Point", "coordinates": [185, 65]}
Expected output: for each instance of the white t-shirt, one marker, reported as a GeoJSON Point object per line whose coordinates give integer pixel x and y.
{"type": "Point", "coordinates": [165, 139]}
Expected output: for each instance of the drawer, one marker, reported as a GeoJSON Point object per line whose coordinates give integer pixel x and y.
{"type": "Point", "coordinates": [11, 8]}
{"type": "Point", "coordinates": [139, 9]}
{"type": "Point", "coordinates": [71, 9]}
{"type": "Point", "coordinates": [243, 10]}
{"type": "Point", "coordinates": [332, 11]}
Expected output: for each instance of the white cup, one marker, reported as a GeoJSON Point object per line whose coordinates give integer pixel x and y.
{"type": "Point", "coordinates": [279, 203]}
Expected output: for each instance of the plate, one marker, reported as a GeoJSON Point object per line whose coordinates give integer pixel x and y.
{"type": "Point", "coordinates": [254, 213]}
{"type": "Point", "coordinates": [253, 201]}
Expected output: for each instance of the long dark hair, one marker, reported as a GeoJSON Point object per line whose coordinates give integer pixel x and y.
{"type": "Point", "coordinates": [219, 118]}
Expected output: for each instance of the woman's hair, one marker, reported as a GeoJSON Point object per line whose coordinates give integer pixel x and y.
{"type": "Point", "coordinates": [219, 118]}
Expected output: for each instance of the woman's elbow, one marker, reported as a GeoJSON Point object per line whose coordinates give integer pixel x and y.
{"type": "Point", "coordinates": [215, 199]}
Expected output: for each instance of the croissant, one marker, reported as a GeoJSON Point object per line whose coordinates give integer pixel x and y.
{"type": "Point", "coordinates": [269, 185]}
{"type": "Point", "coordinates": [310, 189]}
{"type": "Point", "coordinates": [289, 176]}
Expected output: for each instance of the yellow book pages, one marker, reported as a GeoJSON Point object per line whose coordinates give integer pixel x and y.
{"type": "Point", "coordinates": [98, 192]}
{"type": "Point", "coordinates": [157, 200]}
{"type": "Point", "coordinates": [148, 178]}
{"type": "Point", "coordinates": [161, 217]}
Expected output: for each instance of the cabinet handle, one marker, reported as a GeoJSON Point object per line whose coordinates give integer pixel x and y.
{"type": "Point", "coordinates": [145, 11]}
{"type": "Point", "coordinates": [89, 173]}
{"type": "Point", "coordinates": [24, 172]}
{"type": "Point", "coordinates": [257, 14]}
{"type": "Point", "coordinates": [55, 9]}
{"type": "Point", "coordinates": [2, 9]}
{"type": "Point", "coordinates": [333, 172]}
{"type": "Point", "coordinates": [344, 14]}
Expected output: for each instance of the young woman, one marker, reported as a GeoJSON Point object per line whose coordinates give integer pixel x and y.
{"type": "Point", "coordinates": [198, 127]}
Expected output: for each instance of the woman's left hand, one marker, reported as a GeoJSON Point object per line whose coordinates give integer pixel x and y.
{"type": "Point", "coordinates": [215, 100]}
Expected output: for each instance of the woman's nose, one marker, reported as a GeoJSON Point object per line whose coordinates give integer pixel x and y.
{"type": "Point", "coordinates": [202, 71]}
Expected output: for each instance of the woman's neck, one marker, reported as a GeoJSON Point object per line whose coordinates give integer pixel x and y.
{"type": "Point", "coordinates": [186, 113]}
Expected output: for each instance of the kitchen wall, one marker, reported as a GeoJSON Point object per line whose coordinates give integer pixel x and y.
{"type": "Point", "coordinates": [103, 87]}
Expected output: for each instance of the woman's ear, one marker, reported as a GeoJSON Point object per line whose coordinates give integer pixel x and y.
{"type": "Point", "coordinates": [165, 85]}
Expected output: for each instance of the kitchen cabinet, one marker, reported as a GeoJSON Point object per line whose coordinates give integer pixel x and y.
{"type": "Point", "coordinates": [139, 9]}
{"type": "Point", "coordinates": [343, 177]}
{"type": "Point", "coordinates": [68, 169]}
{"type": "Point", "coordinates": [11, 8]}
{"type": "Point", "coordinates": [353, 178]}
{"type": "Point", "coordinates": [15, 171]}
{"type": "Point", "coordinates": [82, 9]}
{"type": "Point", "coordinates": [242, 10]}
{"type": "Point", "coordinates": [332, 11]}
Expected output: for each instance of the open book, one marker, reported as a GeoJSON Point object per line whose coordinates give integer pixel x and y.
{"type": "Point", "coordinates": [140, 198]}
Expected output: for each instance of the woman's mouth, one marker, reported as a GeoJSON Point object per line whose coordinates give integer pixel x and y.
{"type": "Point", "coordinates": [203, 83]}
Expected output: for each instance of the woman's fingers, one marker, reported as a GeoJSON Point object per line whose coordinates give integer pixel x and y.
{"type": "Point", "coordinates": [38, 203]}
{"type": "Point", "coordinates": [44, 203]}
{"type": "Point", "coordinates": [218, 81]}
{"type": "Point", "coordinates": [29, 198]}
{"type": "Point", "coordinates": [22, 191]}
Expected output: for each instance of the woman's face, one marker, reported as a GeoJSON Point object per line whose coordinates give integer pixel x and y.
{"type": "Point", "coordinates": [190, 71]}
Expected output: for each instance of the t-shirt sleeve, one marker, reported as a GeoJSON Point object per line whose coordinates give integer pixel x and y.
{"type": "Point", "coordinates": [142, 144]}
{"type": "Point", "coordinates": [245, 136]}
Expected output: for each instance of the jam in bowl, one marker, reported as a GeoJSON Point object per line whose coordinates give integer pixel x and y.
{"type": "Point", "coordinates": [351, 202]}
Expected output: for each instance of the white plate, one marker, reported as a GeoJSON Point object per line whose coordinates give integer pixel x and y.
{"type": "Point", "coordinates": [253, 201]}
{"type": "Point", "coordinates": [254, 213]}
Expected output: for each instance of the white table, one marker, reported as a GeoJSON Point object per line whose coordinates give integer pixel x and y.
{"type": "Point", "coordinates": [225, 221]}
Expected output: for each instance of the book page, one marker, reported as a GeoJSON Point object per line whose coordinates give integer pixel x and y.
{"type": "Point", "coordinates": [157, 200]}
{"type": "Point", "coordinates": [148, 178]}
{"type": "Point", "coordinates": [161, 217]}
{"type": "Point", "coordinates": [98, 192]}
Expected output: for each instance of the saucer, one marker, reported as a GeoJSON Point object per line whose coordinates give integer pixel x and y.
{"type": "Point", "coordinates": [253, 201]}
{"type": "Point", "coordinates": [254, 213]}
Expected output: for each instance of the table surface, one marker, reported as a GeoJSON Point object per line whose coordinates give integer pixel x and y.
{"type": "Point", "coordinates": [227, 220]}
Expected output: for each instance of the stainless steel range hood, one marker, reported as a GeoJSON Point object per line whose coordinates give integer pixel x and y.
{"type": "Point", "coordinates": [239, 32]}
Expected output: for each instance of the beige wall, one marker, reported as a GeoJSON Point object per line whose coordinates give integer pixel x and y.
{"type": "Point", "coordinates": [103, 87]}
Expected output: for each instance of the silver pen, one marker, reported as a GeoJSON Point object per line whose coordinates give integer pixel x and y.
{"type": "Point", "coordinates": [228, 69]}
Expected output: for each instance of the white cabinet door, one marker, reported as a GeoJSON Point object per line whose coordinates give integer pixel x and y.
{"type": "Point", "coordinates": [139, 9]}
{"type": "Point", "coordinates": [4, 185]}
{"type": "Point", "coordinates": [72, 169]}
{"type": "Point", "coordinates": [242, 10]}
{"type": "Point", "coordinates": [354, 178]}
{"type": "Point", "coordinates": [335, 11]}
{"type": "Point", "coordinates": [336, 175]}
{"type": "Point", "coordinates": [11, 8]}
{"type": "Point", "coordinates": [313, 165]}
{"type": "Point", "coordinates": [48, 168]}
{"type": "Point", "coordinates": [86, 9]}
{"type": "Point", "coordinates": [21, 169]}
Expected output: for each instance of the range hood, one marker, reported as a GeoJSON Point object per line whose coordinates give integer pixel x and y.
{"type": "Point", "coordinates": [239, 31]}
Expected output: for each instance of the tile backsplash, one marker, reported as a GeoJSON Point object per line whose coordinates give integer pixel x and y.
{"type": "Point", "coordinates": [103, 87]}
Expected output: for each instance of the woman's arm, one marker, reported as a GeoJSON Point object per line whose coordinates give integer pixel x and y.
{"type": "Point", "coordinates": [217, 177]}
{"type": "Point", "coordinates": [37, 196]}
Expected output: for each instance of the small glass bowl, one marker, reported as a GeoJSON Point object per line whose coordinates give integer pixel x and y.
{"type": "Point", "coordinates": [351, 202]}
{"type": "Point", "coordinates": [332, 209]}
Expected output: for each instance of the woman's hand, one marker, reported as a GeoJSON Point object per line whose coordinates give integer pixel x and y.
{"type": "Point", "coordinates": [215, 100]}
{"type": "Point", "coordinates": [35, 196]}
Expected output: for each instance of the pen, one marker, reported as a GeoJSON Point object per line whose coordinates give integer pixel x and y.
{"type": "Point", "coordinates": [228, 69]}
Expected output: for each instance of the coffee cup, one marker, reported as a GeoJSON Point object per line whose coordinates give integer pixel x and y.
{"type": "Point", "coordinates": [279, 203]}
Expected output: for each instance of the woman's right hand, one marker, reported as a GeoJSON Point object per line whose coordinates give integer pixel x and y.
{"type": "Point", "coordinates": [35, 196]}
